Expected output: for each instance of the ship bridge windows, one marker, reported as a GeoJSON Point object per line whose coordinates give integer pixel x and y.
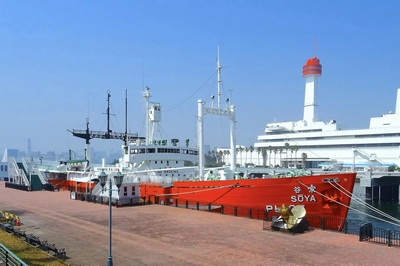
{"type": "Point", "coordinates": [168, 150]}
{"type": "Point", "coordinates": [151, 150]}
{"type": "Point", "coordinates": [136, 151]}
{"type": "Point", "coordinates": [190, 152]}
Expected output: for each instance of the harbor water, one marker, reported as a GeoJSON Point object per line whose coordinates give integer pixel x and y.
{"type": "Point", "coordinates": [359, 211]}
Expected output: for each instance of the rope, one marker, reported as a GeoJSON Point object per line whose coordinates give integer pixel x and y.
{"type": "Point", "coordinates": [351, 208]}
{"type": "Point", "coordinates": [357, 199]}
{"type": "Point", "coordinates": [197, 191]}
{"type": "Point", "coordinates": [190, 96]}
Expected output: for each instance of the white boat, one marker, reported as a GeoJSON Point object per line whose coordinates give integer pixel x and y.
{"type": "Point", "coordinates": [316, 144]}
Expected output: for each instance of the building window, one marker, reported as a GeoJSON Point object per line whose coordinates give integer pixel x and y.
{"type": "Point", "coordinates": [125, 191]}
{"type": "Point", "coordinates": [133, 191]}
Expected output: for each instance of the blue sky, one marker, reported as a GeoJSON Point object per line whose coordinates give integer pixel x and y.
{"type": "Point", "coordinates": [58, 59]}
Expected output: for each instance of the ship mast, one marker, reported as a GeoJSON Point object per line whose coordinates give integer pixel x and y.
{"type": "Point", "coordinates": [219, 80]}
{"type": "Point", "coordinates": [108, 114]}
{"type": "Point", "coordinates": [126, 123]}
{"type": "Point", "coordinates": [109, 134]}
{"type": "Point", "coordinates": [146, 95]}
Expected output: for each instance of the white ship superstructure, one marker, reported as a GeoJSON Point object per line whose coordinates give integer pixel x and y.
{"type": "Point", "coordinates": [315, 143]}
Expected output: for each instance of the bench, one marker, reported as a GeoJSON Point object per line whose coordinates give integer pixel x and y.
{"type": "Point", "coordinates": [19, 233]}
{"type": "Point", "coordinates": [33, 240]}
{"type": "Point", "coordinates": [59, 252]}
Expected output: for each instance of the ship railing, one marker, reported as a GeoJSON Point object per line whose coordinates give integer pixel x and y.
{"type": "Point", "coordinates": [366, 231]}
{"type": "Point", "coordinates": [10, 259]}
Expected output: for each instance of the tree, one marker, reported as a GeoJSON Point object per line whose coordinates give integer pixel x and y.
{"type": "Point", "coordinates": [264, 152]}
{"type": "Point", "coordinates": [291, 153]}
{"type": "Point", "coordinates": [251, 149]}
{"type": "Point", "coordinates": [295, 148]}
{"type": "Point", "coordinates": [304, 158]}
{"type": "Point", "coordinates": [270, 152]}
{"type": "Point", "coordinates": [287, 147]}
{"type": "Point", "coordinates": [246, 150]}
{"type": "Point", "coordinates": [259, 150]}
{"type": "Point", "coordinates": [219, 157]}
{"type": "Point", "coordinates": [242, 149]}
{"type": "Point", "coordinates": [225, 153]}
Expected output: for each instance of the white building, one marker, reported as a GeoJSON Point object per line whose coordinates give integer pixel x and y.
{"type": "Point", "coordinates": [315, 143]}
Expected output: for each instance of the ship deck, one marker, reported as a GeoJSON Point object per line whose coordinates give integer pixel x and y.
{"type": "Point", "coordinates": [161, 235]}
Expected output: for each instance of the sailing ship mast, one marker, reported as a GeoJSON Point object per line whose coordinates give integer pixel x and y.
{"type": "Point", "coordinates": [87, 134]}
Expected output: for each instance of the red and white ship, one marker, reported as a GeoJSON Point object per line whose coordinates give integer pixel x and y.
{"type": "Point", "coordinates": [167, 173]}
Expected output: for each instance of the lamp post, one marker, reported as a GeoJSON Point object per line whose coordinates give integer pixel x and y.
{"type": "Point", "coordinates": [118, 178]}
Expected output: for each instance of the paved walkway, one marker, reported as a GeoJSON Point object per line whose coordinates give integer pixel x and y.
{"type": "Point", "coordinates": [161, 235]}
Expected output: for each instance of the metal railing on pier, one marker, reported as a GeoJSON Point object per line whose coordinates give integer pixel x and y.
{"type": "Point", "coordinates": [9, 258]}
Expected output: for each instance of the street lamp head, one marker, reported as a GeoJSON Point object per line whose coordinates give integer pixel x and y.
{"type": "Point", "coordinates": [102, 179]}
{"type": "Point", "coordinates": [118, 178]}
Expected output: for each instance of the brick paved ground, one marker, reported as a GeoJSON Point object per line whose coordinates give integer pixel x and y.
{"type": "Point", "coordinates": [161, 235]}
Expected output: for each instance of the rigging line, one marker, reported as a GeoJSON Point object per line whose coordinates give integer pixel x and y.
{"type": "Point", "coordinates": [372, 208]}
{"type": "Point", "coordinates": [190, 96]}
{"type": "Point", "coordinates": [117, 126]}
{"type": "Point", "coordinates": [351, 208]}
{"type": "Point", "coordinates": [357, 199]}
{"type": "Point", "coordinates": [197, 191]}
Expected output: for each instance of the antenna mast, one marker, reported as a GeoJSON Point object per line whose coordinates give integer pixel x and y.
{"type": "Point", "coordinates": [126, 118]}
{"type": "Point", "coordinates": [146, 95]}
{"type": "Point", "coordinates": [219, 80]}
{"type": "Point", "coordinates": [108, 113]}
{"type": "Point", "coordinates": [315, 47]}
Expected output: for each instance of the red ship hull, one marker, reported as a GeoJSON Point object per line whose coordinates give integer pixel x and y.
{"type": "Point", "coordinates": [322, 195]}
